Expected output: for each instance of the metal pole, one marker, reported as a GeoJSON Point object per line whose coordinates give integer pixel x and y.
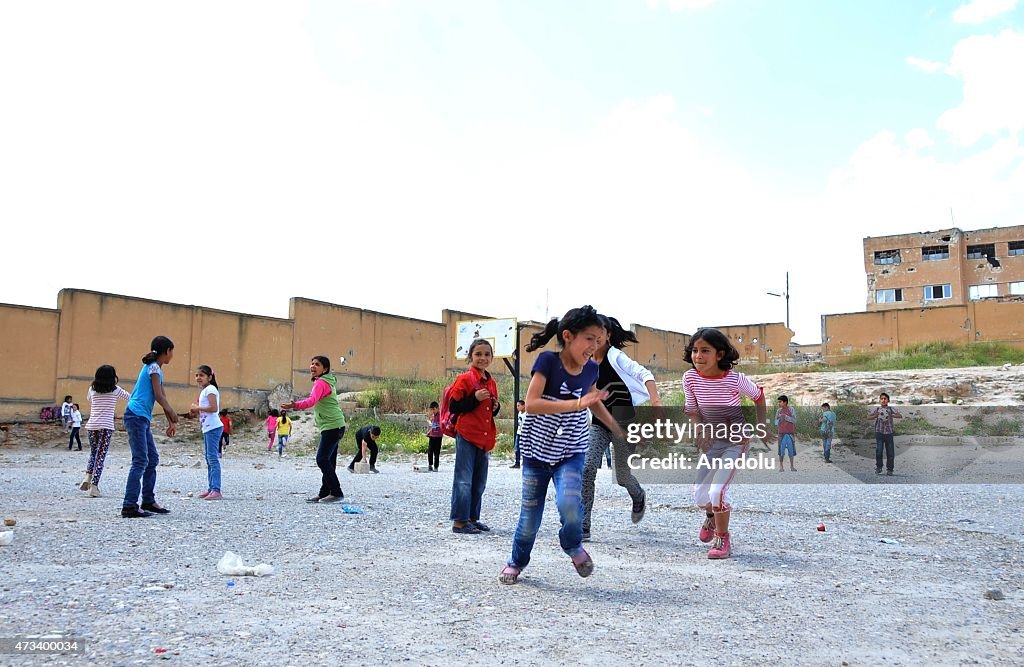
{"type": "Point", "coordinates": [787, 299]}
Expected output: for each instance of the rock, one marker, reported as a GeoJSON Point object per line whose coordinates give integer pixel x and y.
{"type": "Point", "coordinates": [994, 594]}
{"type": "Point", "coordinates": [10, 522]}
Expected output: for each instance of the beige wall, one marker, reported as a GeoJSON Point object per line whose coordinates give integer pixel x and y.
{"type": "Point", "coordinates": [46, 354]}
{"type": "Point", "coordinates": [991, 320]}
{"type": "Point", "coordinates": [28, 342]}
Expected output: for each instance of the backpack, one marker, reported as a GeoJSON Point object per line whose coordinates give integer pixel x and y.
{"type": "Point", "coordinates": [448, 418]}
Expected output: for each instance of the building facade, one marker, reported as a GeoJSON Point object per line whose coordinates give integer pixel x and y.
{"type": "Point", "coordinates": [950, 267]}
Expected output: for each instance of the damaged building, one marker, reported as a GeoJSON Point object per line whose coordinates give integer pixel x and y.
{"type": "Point", "coordinates": [945, 268]}
{"type": "Point", "coordinates": [948, 285]}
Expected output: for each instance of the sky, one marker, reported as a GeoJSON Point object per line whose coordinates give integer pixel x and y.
{"type": "Point", "coordinates": [667, 161]}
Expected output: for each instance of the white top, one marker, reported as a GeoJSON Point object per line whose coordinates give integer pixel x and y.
{"type": "Point", "coordinates": [209, 397]}
{"type": "Point", "coordinates": [101, 412]}
{"type": "Point", "coordinates": [76, 418]}
{"type": "Point", "coordinates": [634, 375]}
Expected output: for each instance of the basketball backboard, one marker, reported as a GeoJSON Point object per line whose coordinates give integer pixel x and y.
{"type": "Point", "coordinates": [500, 333]}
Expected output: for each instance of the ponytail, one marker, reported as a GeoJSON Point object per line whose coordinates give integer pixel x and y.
{"type": "Point", "coordinates": [574, 321]}
{"type": "Point", "coordinates": [157, 346]}
{"type": "Point", "coordinates": [539, 340]}
{"type": "Point", "coordinates": [617, 336]}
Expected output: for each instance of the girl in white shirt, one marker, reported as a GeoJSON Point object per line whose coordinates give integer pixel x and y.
{"type": "Point", "coordinates": [207, 407]}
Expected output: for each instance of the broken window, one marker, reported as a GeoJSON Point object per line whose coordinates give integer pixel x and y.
{"type": "Point", "coordinates": [1017, 289]}
{"type": "Point", "coordinates": [975, 292]}
{"type": "Point", "coordinates": [982, 251]}
{"type": "Point", "coordinates": [887, 257]}
{"type": "Point", "coordinates": [1016, 248]}
{"type": "Point", "coordinates": [889, 295]}
{"type": "Point", "coordinates": [935, 252]}
{"type": "Point", "coordinates": [936, 292]}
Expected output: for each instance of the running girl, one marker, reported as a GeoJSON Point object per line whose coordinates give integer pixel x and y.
{"type": "Point", "coordinates": [103, 397]}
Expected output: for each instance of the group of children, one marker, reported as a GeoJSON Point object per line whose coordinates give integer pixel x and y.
{"type": "Point", "coordinates": [279, 429]}
{"type": "Point", "coordinates": [881, 417]}
{"type": "Point", "coordinates": [559, 443]}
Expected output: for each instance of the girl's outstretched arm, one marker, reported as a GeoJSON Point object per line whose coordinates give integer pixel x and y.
{"type": "Point", "coordinates": [161, 398]}
{"type": "Point", "coordinates": [762, 420]}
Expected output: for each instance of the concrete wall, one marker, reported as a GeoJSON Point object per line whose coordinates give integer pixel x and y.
{"type": "Point", "coordinates": [990, 320]}
{"type": "Point", "coordinates": [46, 354]}
{"type": "Point", "coordinates": [28, 345]}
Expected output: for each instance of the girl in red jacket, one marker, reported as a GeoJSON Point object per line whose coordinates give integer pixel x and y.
{"type": "Point", "coordinates": [474, 398]}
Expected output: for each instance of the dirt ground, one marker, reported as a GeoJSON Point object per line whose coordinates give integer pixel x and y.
{"type": "Point", "coordinates": [393, 584]}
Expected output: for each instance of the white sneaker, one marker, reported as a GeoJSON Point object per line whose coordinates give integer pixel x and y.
{"type": "Point", "coordinates": [94, 491]}
{"type": "Point", "coordinates": [86, 482]}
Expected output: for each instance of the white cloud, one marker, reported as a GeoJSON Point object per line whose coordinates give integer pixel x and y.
{"type": "Point", "coordinates": [918, 138]}
{"type": "Point", "coordinates": [680, 5]}
{"type": "Point", "coordinates": [990, 67]}
{"type": "Point", "coordinates": [979, 11]}
{"type": "Point", "coordinates": [929, 66]}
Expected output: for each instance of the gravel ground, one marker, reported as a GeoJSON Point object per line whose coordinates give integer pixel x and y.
{"type": "Point", "coordinates": [395, 585]}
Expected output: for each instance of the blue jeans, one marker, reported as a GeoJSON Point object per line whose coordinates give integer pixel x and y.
{"type": "Point", "coordinates": [885, 440]}
{"type": "Point", "coordinates": [826, 444]}
{"type": "Point", "coordinates": [212, 441]}
{"type": "Point", "coordinates": [787, 444]}
{"type": "Point", "coordinates": [145, 459]}
{"type": "Point", "coordinates": [470, 480]}
{"type": "Point", "coordinates": [568, 477]}
{"type": "Point", "coordinates": [282, 441]}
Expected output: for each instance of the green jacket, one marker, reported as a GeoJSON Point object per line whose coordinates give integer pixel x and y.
{"type": "Point", "coordinates": [327, 412]}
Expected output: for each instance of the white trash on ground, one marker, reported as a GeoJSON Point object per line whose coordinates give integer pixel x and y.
{"type": "Point", "coordinates": [6, 538]}
{"type": "Point", "coordinates": [231, 563]}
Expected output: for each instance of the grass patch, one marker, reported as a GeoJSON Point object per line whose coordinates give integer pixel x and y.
{"type": "Point", "coordinates": [941, 354]}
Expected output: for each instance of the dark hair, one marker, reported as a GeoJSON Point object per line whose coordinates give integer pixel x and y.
{"type": "Point", "coordinates": [206, 370]}
{"type": "Point", "coordinates": [783, 399]}
{"type": "Point", "coordinates": [284, 416]}
{"type": "Point", "coordinates": [105, 380]}
{"type": "Point", "coordinates": [434, 404]}
{"type": "Point", "coordinates": [324, 361]}
{"type": "Point", "coordinates": [76, 406]}
{"type": "Point", "coordinates": [717, 340]}
{"type": "Point", "coordinates": [475, 344]}
{"type": "Point", "coordinates": [574, 321]}
{"type": "Point", "coordinates": [157, 346]}
{"type": "Point", "coordinates": [826, 405]}
{"type": "Point", "coordinates": [520, 402]}
{"type": "Point", "coordinates": [617, 336]}
{"type": "Point", "coordinates": [67, 398]}
{"type": "Point", "coordinates": [375, 430]}
{"type": "Point", "coordinates": [223, 412]}
{"type": "Point", "coordinates": [884, 394]}
{"type": "Point", "coordinates": [274, 413]}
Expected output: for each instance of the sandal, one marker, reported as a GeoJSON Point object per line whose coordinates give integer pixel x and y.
{"type": "Point", "coordinates": [510, 575]}
{"type": "Point", "coordinates": [585, 567]}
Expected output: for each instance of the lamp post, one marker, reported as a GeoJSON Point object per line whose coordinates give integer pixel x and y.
{"type": "Point", "coordinates": [785, 295]}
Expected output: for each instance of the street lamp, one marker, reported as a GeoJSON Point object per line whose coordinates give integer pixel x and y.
{"type": "Point", "coordinates": [785, 295]}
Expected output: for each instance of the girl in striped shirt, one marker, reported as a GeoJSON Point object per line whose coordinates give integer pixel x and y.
{"type": "Point", "coordinates": [713, 392]}
{"type": "Point", "coordinates": [555, 436]}
{"type": "Point", "coordinates": [103, 397]}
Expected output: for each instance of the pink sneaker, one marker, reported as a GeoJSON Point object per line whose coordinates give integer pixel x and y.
{"type": "Point", "coordinates": [707, 531]}
{"type": "Point", "coordinates": [721, 547]}
{"type": "Point", "coordinates": [205, 493]}
{"type": "Point", "coordinates": [214, 495]}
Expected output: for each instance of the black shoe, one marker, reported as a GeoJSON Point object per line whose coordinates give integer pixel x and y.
{"type": "Point", "coordinates": [156, 509]}
{"type": "Point", "coordinates": [481, 526]}
{"type": "Point", "coordinates": [351, 469]}
{"type": "Point", "coordinates": [374, 470]}
{"type": "Point", "coordinates": [134, 512]}
{"type": "Point", "coordinates": [888, 473]}
{"type": "Point", "coordinates": [878, 471]}
{"type": "Point", "coordinates": [514, 466]}
{"type": "Point", "coordinates": [79, 449]}
{"type": "Point", "coordinates": [468, 529]}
